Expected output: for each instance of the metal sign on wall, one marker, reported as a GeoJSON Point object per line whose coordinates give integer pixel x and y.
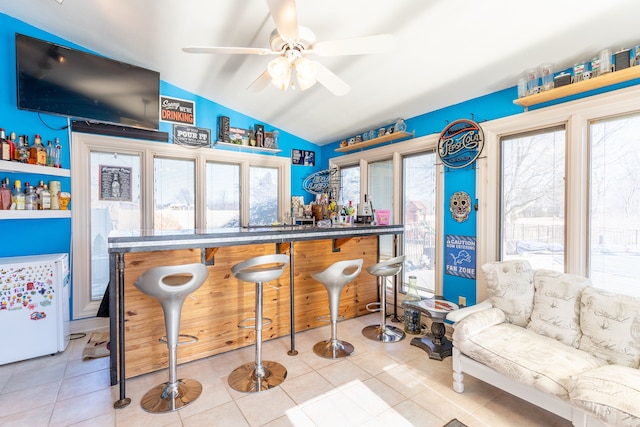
{"type": "Point", "coordinates": [176, 110]}
{"type": "Point", "coordinates": [191, 136]}
{"type": "Point", "coordinates": [460, 143]}
{"type": "Point", "coordinates": [318, 183]}
{"type": "Point", "coordinates": [461, 256]}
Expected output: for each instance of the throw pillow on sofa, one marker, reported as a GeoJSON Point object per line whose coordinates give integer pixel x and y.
{"type": "Point", "coordinates": [610, 325]}
{"type": "Point", "coordinates": [556, 305]}
{"type": "Point", "coordinates": [510, 288]}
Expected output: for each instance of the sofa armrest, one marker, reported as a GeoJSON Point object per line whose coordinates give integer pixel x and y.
{"type": "Point", "coordinates": [458, 315]}
{"type": "Point", "coordinates": [476, 323]}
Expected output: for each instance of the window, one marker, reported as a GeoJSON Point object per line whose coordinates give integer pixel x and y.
{"type": "Point", "coordinates": [614, 244]}
{"type": "Point", "coordinates": [223, 195]}
{"type": "Point", "coordinates": [179, 189]}
{"type": "Point", "coordinates": [349, 185]}
{"type": "Point", "coordinates": [532, 210]}
{"type": "Point", "coordinates": [419, 218]}
{"type": "Point", "coordinates": [173, 194]}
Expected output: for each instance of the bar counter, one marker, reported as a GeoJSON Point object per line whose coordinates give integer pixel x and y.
{"type": "Point", "coordinates": [137, 322]}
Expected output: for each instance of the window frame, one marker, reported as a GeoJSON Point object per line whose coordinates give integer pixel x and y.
{"type": "Point", "coordinates": [576, 116]}
{"type": "Point", "coordinates": [81, 147]}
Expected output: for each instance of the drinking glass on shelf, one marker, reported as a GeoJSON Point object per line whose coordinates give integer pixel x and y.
{"type": "Point", "coordinates": [578, 72]}
{"type": "Point", "coordinates": [532, 81]}
{"type": "Point", "coordinates": [522, 87]}
{"type": "Point", "coordinates": [546, 72]}
{"type": "Point", "coordinates": [605, 61]}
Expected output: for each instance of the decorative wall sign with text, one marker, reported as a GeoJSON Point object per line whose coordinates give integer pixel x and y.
{"type": "Point", "coordinates": [460, 143]}
{"type": "Point", "coordinates": [303, 157]}
{"type": "Point", "coordinates": [177, 111]}
{"type": "Point", "coordinates": [191, 136]}
{"type": "Point", "coordinates": [318, 183]}
{"type": "Point", "coordinates": [115, 183]}
{"type": "Point", "coordinates": [461, 256]}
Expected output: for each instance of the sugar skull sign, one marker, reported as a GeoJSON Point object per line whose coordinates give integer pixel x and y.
{"type": "Point", "coordinates": [460, 206]}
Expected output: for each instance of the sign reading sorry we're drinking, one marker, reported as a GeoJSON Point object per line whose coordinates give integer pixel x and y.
{"type": "Point", "coordinates": [177, 111]}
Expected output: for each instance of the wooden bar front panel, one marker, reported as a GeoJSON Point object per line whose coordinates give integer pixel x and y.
{"type": "Point", "coordinates": [222, 302]}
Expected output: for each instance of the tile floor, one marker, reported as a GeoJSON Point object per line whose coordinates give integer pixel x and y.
{"type": "Point", "coordinates": [392, 384]}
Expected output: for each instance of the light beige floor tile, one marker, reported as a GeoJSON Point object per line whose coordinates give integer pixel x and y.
{"type": "Point", "coordinates": [31, 417]}
{"type": "Point", "coordinates": [27, 379]}
{"type": "Point", "coordinates": [417, 416]}
{"type": "Point", "coordinates": [404, 380]}
{"type": "Point", "coordinates": [27, 399]}
{"type": "Point", "coordinates": [261, 408]}
{"type": "Point", "coordinates": [106, 420]}
{"type": "Point", "coordinates": [83, 384]}
{"type": "Point", "coordinates": [307, 387]}
{"type": "Point", "coordinates": [342, 372]}
{"type": "Point", "coordinates": [81, 367]}
{"type": "Point", "coordinates": [74, 410]}
{"type": "Point", "coordinates": [372, 395]}
{"type": "Point", "coordinates": [226, 414]}
{"type": "Point", "coordinates": [295, 417]}
{"type": "Point", "coordinates": [374, 363]}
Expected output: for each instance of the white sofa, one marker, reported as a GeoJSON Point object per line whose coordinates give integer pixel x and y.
{"type": "Point", "coordinates": [552, 339]}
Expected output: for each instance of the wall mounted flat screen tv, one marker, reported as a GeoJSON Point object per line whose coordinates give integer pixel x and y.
{"type": "Point", "coordinates": [59, 80]}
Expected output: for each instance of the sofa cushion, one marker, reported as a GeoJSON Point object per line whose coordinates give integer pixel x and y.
{"type": "Point", "coordinates": [611, 392]}
{"type": "Point", "coordinates": [610, 325]}
{"type": "Point", "coordinates": [510, 288]}
{"type": "Point", "coordinates": [556, 305]}
{"type": "Point", "coordinates": [528, 358]}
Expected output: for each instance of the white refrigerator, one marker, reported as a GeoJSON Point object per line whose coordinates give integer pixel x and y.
{"type": "Point", "coordinates": [34, 306]}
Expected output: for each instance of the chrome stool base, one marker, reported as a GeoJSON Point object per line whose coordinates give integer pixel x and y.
{"type": "Point", "coordinates": [383, 334]}
{"type": "Point", "coordinates": [160, 399]}
{"type": "Point", "coordinates": [333, 350]}
{"type": "Point", "coordinates": [244, 378]}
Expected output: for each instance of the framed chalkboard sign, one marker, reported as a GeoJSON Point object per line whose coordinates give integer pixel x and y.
{"type": "Point", "coordinates": [115, 183]}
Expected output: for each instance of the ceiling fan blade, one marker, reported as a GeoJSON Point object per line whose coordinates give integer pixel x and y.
{"type": "Point", "coordinates": [260, 83]}
{"type": "Point", "coordinates": [285, 16]}
{"type": "Point", "coordinates": [357, 46]}
{"type": "Point", "coordinates": [331, 81]}
{"type": "Point", "coordinates": [229, 50]}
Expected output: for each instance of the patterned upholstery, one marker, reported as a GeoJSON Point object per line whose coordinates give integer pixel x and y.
{"type": "Point", "coordinates": [510, 288]}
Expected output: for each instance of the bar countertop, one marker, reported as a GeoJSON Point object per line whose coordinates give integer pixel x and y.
{"type": "Point", "coordinates": [145, 240]}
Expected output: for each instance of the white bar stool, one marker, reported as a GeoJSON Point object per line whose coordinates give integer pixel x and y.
{"type": "Point", "coordinates": [259, 375]}
{"type": "Point", "coordinates": [384, 332]}
{"type": "Point", "coordinates": [334, 279]}
{"type": "Point", "coordinates": [170, 286]}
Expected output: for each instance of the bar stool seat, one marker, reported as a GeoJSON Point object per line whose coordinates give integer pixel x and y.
{"type": "Point", "coordinates": [334, 278]}
{"type": "Point", "coordinates": [384, 332]}
{"type": "Point", "coordinates": [170, 286]}
{"type": "Point", "coordinates": [258, 375]}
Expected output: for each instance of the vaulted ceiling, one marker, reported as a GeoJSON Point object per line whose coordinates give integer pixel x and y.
{"type": "Point", "coordinates": [446, 52]}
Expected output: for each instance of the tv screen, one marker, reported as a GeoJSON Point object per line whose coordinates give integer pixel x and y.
{"type": "Point", "coordinates": [59, 80]}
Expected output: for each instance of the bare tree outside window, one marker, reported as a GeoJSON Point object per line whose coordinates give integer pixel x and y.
{"type": "Point", "coordinates": [533, 198]}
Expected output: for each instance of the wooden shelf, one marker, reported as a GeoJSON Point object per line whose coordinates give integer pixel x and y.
{"type": "Point", "coordinates": [247, 147]}
{"type": "Point", "coordinates": [6, 166]}
{"type": "Point", "coordinates": [15, 214]}
{"type": "Point", "coordinates": [375, 141]}
{"type": "Point", "coordinates": [603, 80]}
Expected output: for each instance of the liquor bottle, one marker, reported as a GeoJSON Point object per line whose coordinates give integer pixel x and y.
{"type": "Point", "coordinates": [37, 153]}
{"type": "Point", "coordinates": [50, 153]}
{"type": "Point", "coordinates": [44, 200]}
{"type": "Point", "coordinates": [5, 147]}
{"type": "Point", "coordinates": [23, 151]}
{"type": "Point", "coordinates": [57, 154]}
{"type": "Point", "coordinates": [30, 198]}
{"type": "Point", "coordinates": [18, 196]}
{"type": "Point", "coordinates": [5, 195]}
{"type": "Point", "coordinates": [12, 143]}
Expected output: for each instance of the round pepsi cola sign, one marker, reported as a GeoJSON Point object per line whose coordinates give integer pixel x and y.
{"type": "Point", "coordinates": [460, 143]}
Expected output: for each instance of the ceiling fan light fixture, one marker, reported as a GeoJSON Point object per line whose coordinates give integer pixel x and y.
{"type": "Point", "coordinates": [305, 73]}
{"type": "Point", "coordinates": [279, 68]}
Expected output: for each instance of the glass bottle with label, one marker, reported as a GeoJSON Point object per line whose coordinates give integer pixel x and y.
{"type": "Point", "coordinates": [30, 198]}
{"type": "Point", "coordinates": [5, 147]}
{"type": "Point", "coordinates": [12, 143]}
{"type": "Point", "coordinates": [18, 196]}
{"type": "Point", "coordinates": [23, 151]}
{"type": "Point", "coordinates": [50, 153]}
{"type": "Point", "coordinates": [44, 199]}
{"type": "Point", "coordinates": [57, 153]}
{"type": "Point", "coordinates": [37, 152]}
{"type": "Point", "coordinates": [5, 195]}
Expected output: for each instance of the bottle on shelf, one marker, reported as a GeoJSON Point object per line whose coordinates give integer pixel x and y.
{"type": "Point", "coordinates": [18, 196]}
{"type": "Point", "coordinates": [30, 198]}
{"type": "Point", "coordinates": [57, 154]}
{"type": "Point", "coordinates": [50, 153]}
{"type": "Point", "coordinates": [37, 152]}
{"type": "Point", "coordinates": [44, 197]}
{"type": "Point", "coordinates": [5, 195]}
{"type": "Point", "coordinates": [12, 143]}
{"type": "Point", "coordinates": [5, 147]}
{"type": "Point", "coordinates": [23, 150]}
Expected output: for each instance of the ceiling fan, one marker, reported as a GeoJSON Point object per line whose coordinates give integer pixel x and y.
{"type": "Point", "coordinates": [292, 43]}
